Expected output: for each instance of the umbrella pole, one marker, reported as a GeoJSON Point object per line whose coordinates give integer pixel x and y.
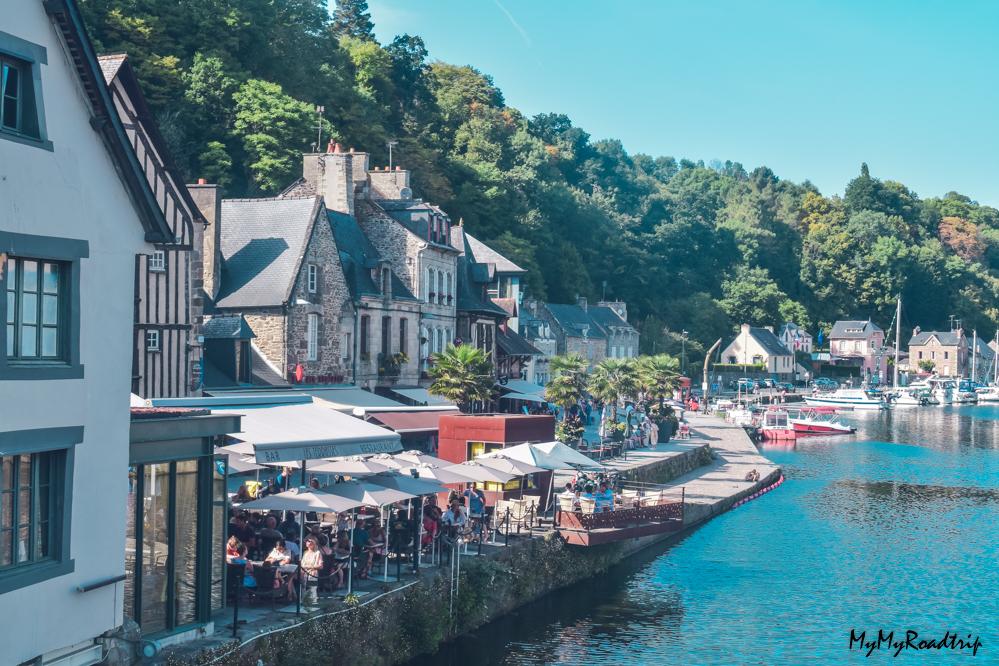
{"type": "Point", "coordinates": [302, 583]}
{"type": "Point", "coordinates": [350, 558]}
{"type": "Point", "coordinates": [385, 522]}
{"type": "Point", "coordinates": [419, 539]}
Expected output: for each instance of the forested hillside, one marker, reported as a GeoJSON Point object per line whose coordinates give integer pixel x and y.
{"type": "Point", "coordinates": [234, 85]}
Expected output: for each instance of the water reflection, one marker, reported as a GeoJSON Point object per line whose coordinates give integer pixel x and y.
{"type": "Point", "coordinates": [891, 528]}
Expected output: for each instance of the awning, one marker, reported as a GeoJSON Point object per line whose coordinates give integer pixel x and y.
{"type": "Point", "coordinates": [421, 396]}
{"type": "Point", "coordinates": [522, 386]}
{"type": "Point", "coordinates": [310, 431]}
{"type": "Point", "coordinates": [346, 399]}
{"type": "Point", "coordinates": [525, 396]}
{"type": "Point", "coordinates": [409, 422]}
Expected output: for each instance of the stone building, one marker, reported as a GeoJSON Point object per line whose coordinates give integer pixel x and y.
{"type": "Point", "coordinates": [478, 318]}
{"type": "Point", "coordinates": [539, 333]}
{"type": "Point", "coordinates": [759, 346]}
{"type": "Point", "coordinates": [948, 351]}
{"type": "Point", "coordinates": [859, 344]}
{"type": "Point", "coordinates": [595, 333]}
{"type": "Point", "coordinates": [622, 337]}
{"type": "Point", "coordinates": [281, 271]}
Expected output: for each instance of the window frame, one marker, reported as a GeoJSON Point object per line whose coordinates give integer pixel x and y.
{"type": "Point", "coordinates": [312, 337]}
{"type": "Point", "coordinates": [69, 252]}
{"type": "Point", "coordinates": [28, 57]}
{"type": "Point", "coordinates": [157, 261]}
{"type": "Point", "coordinates": [312, 279]}
{"type": "Point", "coordinates": [159, 340]}
{"type": "Point", "coordinates": [38, 323]}
{"type": "Point", "coordinates": [58, 562]}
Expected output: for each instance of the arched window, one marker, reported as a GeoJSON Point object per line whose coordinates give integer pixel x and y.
{"type": "Point", "coordinates": [430, 286]}
{"type": "Point", "coordinates": [447, 290]}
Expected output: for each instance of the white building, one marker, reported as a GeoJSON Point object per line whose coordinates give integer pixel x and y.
{"type": "Point", "coordinates": [75, 209]}
{"type": "Point", "coordinates": [795, 338]}
{"type": "Point", "coordinates": [759, 346]}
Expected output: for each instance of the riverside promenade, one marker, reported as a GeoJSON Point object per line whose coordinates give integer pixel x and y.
{"type": "Point", "coordinates": [418, 613]}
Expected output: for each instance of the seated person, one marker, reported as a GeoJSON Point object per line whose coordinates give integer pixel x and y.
{"type": "Point", "coordinates": [279, 555]}
{"type": "Point", "coordinates": [454, 520]}
{"type": "Point", "coordinates": [232, 549]}
{"type": "Point", "coordinates": [375, 548]}
{"type": "Point", "coordinates": [289, 527]}
{"type": "Point", "coordinates": [341, 558]}
{"type": "Point", "coordinates": [270, 530]}
{"type": "Point", "coordinates": [607, 497]}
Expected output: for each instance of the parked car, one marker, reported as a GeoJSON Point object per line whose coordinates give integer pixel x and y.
{"type": "Point", "coordinates": [825, 384]}
{"type": "Point", "coordinates": [785, 386]}
{"type": "Point", "coordinates": [767, 382]}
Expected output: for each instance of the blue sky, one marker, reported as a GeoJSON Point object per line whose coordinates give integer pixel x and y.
{"type": "Point", "coordinates": [811, 89]}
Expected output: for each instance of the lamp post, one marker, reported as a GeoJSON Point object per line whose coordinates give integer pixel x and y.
{"type": "Point", "coordinates": [683, 353]}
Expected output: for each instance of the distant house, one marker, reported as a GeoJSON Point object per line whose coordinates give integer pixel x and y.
{"type": "Point", "coordinates": [795, 338]}
{"type": "Point", "coordinates": [948, 351]}
{"type": "Point", "coordinates": [860, 344]}
{"type": "Point", "coordinates": [759, 346]}
{"type": "Point", "coordinates": [595, 333]}
{"type": "Point", "coordinates": [539, 333]}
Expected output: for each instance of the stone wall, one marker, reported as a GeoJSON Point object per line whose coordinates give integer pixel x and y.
{"type": "Point", "coordinates": [327, 303]}
{"type": "Point", "coordinates": [268, 324]}
{"type": "Point", "coordinates": [666, 470]}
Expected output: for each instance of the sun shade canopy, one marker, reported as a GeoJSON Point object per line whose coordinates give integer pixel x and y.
{"type": "Point", "coordinates": [410, 422]}
{"type": "Point", "coordinates": [305, 499]}
{"type": "Point", "coordinates": [549, 455]}
{"type": "Point", "coordinates": [437, 473]}
{"type": "Point", "coordinates": [309, 431]}
{"type": "Point", "coordinates": [407, 483]}
{"type": "Point", "coordinates": [370, 494]}
{"type": "Point", "coordinates": [479, 472]}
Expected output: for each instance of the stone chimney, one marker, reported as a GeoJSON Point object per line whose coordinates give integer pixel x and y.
{"type": "Point", "coordinates": [581, 302]}
{"type": "Point", "coordinates": [386, 184]}
{"type": "Point", "coordinates": [207, 198]}
{"type": "Point", "coordinates": [332, 175]}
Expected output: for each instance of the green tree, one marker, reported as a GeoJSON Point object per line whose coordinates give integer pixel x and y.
{"type": "Point", "coordinates": [658, 378]}
{"type": "Point", "coordinates": [463, 375]}
{"type": "Point", "coordinates": [568, 381]}
{"type": "Point", "coordinates": [352, 19]}
{"type": "Point", "coordinates": [273, 129]}
{"type": "Point", "coordinates": [612, 380]}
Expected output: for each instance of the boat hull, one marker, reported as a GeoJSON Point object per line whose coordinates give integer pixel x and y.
{"type": "Point", "coordinates": [844, 403]}
{"type": "Point", "coordinates": [821, 429]}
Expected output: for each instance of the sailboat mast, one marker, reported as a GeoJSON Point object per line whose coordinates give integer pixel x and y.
{"type": "Point", "coordinates": [898, 334]}
{"type": "Point", "coordinates": [995, 355]}
{"type": "Point", "coordinates": [974, 355]}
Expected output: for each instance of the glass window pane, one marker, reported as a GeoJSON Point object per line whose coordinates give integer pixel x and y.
{"type": "Point", "coordinates": [29, 308]}
{"type": "Point", "coordinates": [24, 472]}
{"type": "Point", "coordinates": [185, 546]}
{"type": "Point", "coordinates": [7, 473]}
{"type": "Point", "coordinates": [50, 279]}
{"type": "Point", "coordinates": [50, 309]}
{"type": "Point", "coordinates": [29, 279]}
{"type": "Point", "coordinates": [24, 506]}
{"type": "Point", "coordinates": [21, 548]}
{"type": "Point", "coordinates": [10, 339]}
{"type": "Point", "coordinates": [7, 510]}
{"type": "Point", "coordinates": [11, 306]}
{"type": "Point", "coordinates": [41, 540]}
{"type": "Point", "coordinates": [50, 341]}
{"type": "Point", "coordinates": [155, 540]}
{"type": "Point", "coordinates": [10, 112]}
{"type": "Point", "coordinates": [29, 341]}
{"type": "Point", "coordinates": [130, 550]}
{"type": "Point", "coordinates": [6, 542]}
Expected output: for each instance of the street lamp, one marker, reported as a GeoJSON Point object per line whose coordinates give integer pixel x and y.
{"type": "Point", "coordinates": [683, 353]}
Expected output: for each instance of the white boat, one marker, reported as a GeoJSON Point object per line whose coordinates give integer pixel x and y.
{"type": "Point", "coordinates": [811, 421]}
{"type": "Point", "coordinates": [848, 398]}
{"type": "Point", "coordinates": [988, 394]}
{"type": "Point", "coordinates": [943, 390]}
{"type": "Point", "coordinates": [910, 397]}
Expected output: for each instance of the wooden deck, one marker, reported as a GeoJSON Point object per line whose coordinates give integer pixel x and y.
{"type": "Point", "coordinates": [593, 529]}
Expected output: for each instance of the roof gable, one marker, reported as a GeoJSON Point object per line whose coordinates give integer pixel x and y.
{"type": "Point", "coordinates": [359, 256]}
{"type": "Point", "coordinates": [854, 329]}
{"type": "Point", "coordinates": [574, 321]}
{"type": "Point", "coordinates": [264, 242]}
{"type": "Point", "coordinates": [606, 317]}
{"type": "Point", "coordinates": [484, 254]}
{"type": "Point", "coordinates": [769, 342]}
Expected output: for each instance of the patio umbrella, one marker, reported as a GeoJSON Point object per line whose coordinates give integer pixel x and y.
{"type": "Point", "coordinates": [441, 474]}
{"type": "Point", "coordinates": [353, 466]}
{"type": "Point", "coordinates": [302, 500]}
{"type": "Point", "coordinates": [549, 455]}
{"type": "Point", "coordinates": [407, 483]}
{"type": "Point", "coordinates": [238, 464]}
{"type": "Point", "coordinates": [388, 460]}
{"type": "Point", "coordinates": [476, 471]}
{"type": "Point", "coordinates": [239, 448]}
{"type": "Point", "coordinates": [511, 466]}
{"type": "Point", "coordinates": [413, 457]}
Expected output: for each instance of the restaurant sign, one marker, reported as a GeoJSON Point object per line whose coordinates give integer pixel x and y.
{"type": "Point", "coordinates": [276, 453]}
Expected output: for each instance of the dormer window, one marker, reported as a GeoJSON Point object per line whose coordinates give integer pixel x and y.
{"type": "Point", "coordinates": [386, 282]}
{"type": "Point", "coordinates": [21, 119]}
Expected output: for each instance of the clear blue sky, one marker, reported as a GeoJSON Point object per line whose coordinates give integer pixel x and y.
{"type": "Point", "coordinates": [811, 89]}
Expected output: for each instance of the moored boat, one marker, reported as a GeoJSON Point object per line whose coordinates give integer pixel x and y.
{"type": "Point", "coordinates": [847, 398]}
{"type": "Point", "coordinates": [776, 425]}
{"type": "Point", "coordinates": [818, 421]}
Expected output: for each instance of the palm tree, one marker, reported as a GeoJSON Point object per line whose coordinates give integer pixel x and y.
{"type": "Point", "coordinates": [613, 379]}
{"type": "Point", "coordinates": [463, 375]}
{"type": "Point", "coordinates": [568, 381]}
{"type": "Point", "coordinates": [658, 377]}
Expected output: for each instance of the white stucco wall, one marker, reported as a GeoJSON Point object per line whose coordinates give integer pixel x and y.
{"type": "Point", "coordinates": [74, 192]}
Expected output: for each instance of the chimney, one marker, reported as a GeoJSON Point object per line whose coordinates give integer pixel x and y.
{"type": "Point", "coordinates": [331, 174]}
{"type": "Point", "coordinates": [619, 307]}
{"type": "Point", "coordinates": [581, 302]}
{"type": "Point", "coordinates": [207, 198]}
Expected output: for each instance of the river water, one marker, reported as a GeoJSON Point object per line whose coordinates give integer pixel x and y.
{"type": "Point", "coordinates": [894, 528]}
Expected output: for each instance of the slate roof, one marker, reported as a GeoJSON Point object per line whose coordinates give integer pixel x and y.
{"type": "Point", "coordinates": [606, 317]}
{"type": "Point", "coordinates": [845, 329]}
{"type": "Point", "coordinates": [946, 338]}
{"type": "Point", "coordinates": [399, 210]}
{"type": "Point", "coordinates": [512, 343]}
{"type": "Point", "coordinates": [508, 304]}
{"type": "Point", "coordinates": [486, 255]}
{"type": "Point", "coordinates": [263, 243]}
{"type": "Point", "coordinates": [984, 350]}
{"type": "Point", "coordinates": [231, 327]}
{"type": "Point", "coordinates": [358, 257]}
{"type": "Point", "coordinates": [793, 329]}
{"type": "Point", "coordinates": [770, 343]}
{"type": "Point", "coordinates": [471, 280]}
{"type": "Point", "coordinates": [573, 320]}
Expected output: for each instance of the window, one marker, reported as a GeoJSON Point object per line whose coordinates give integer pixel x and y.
{"type": "Point", "coordinates": [447, 287]}
{"type": "Point", "coordinates": [152, 341]}
{"type": "Point", "coordinates": [433, 286]}
{"type": "Point", "coordinates": [430, 287]}
{"type": "Point", "coordinates": [157, 262]}
{"type": "Point", "coordinates": [403, 333]}
{"type": "Point", "coordinates": [448, 340]}
{"type": "Point", "coordinates": [386, 282]}
{"type": "Point", "coordinates": [312, 352]}
{"type": "Point", "coordinates": [439, 335]}
{"type": "Point", "coordinates": [346, 351]}
{"type": "Point", "coordinates": [920, 355]}
{"type": "Point", "coordinates": [946, 355]}
{"type": "Point", "coordinates": [386, 335]}
{"type": "Point", "coordinates": [313, 279]}
{"type": "Point", "coordinates": [36, 309]}
{"type": "Point", "coordinates": [22, 118]}
{"type": "Point", "coordinates": [365, 334]}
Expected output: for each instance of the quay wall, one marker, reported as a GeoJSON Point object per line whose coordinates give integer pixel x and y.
{"type": "Point", "coordinates": [399, 626]}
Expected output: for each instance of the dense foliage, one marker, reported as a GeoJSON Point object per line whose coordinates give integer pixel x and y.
{"type": "Point", "coordinates": [235, 83]}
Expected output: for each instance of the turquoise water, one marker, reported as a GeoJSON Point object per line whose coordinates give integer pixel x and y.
{"type": "Point", "coordinates": [895, 528]}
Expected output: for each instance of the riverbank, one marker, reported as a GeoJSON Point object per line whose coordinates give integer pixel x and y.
{"type": "Point", "coordinates": [396, 621]}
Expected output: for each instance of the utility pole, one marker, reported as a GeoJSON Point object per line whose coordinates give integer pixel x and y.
{"type": "Point", "coordinates": [320, 110]}
{"type": "Point", "coordinates": [974, 355]}
{"type": "Point", "coordinates": [683, 353]}
{"type": "Point", "coordinates": [898, 335]}
{"type": "Point", "coordinates": [391, 144]}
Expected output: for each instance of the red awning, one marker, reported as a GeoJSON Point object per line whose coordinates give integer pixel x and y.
{"type": "Point", "coordinates": [409, 422]}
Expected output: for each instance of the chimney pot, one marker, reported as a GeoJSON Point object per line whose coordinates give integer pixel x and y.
{"type": "Point", "coordinates": [202, 181]}
{"type": "Point", "coordinates": [329, 147]}
{"type": "Point", "coordinates": [398, 168]}
{"type": "Point", "coordinates": [351, 151]}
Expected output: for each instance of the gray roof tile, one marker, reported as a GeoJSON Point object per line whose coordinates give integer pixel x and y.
{"type": "Point", "coordinates": [853, 329]}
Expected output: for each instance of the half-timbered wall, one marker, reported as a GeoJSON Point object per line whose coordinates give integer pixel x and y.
{"type": "Point", "coordinates": [163, 293]}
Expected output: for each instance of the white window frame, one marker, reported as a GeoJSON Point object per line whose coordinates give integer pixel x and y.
{"type": "Point", "coordinates": [313, 278]}
{"type": "Point", "coordinates": [312, 336]}
{"type": "Point", "coordinates": [157, 261]}
{"type": "Point", "coordinates": [153, 341]}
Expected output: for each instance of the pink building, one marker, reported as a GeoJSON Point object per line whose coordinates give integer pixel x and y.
{"type": "Point", "coordinates": [860, 344]}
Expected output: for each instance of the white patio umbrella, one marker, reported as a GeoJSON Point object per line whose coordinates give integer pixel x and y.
{"type": "Point", "coordinates": [303, 500]}
{"type": "Point", "coordinates": [476, 471]}
{"type": "Point", "coordinates": [410, 484]}
{"type": "Point", "coordinates": [441, 474]}
{"type": "Point", "coordinates": [511, 466]}
{"type": "Point", "coordinates": [388, 460]}
{"type": "Point", "coordinates": [353, 466]}
{"type": "Point", "coordinates": [239, 448]}
{"type": "Point", "coordinates": [238, 464]}
{"type": "Point", "coordinates": [413, 457]}
{"type": "Point", "coordinates": [547, 455]}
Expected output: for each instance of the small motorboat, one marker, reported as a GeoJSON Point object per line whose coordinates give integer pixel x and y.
{"type": "Point", "coordinates": [818, 421]}
{"type": "Point", "coordinates": [909, 397]}
{"type": "Point", "coordinates": [988, 394]}
{"type": "Point", "coordinates": [847, 398]}
{"type": "Point", "coordinates": [776, 425]}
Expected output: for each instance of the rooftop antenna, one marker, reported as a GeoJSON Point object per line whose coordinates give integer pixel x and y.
{"type": "Point", "coordinates": [952, 322]}
{"type": "Point", "coordinates": [320, 110]}
{"type": "Point", "coordinates": [391, 144]}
